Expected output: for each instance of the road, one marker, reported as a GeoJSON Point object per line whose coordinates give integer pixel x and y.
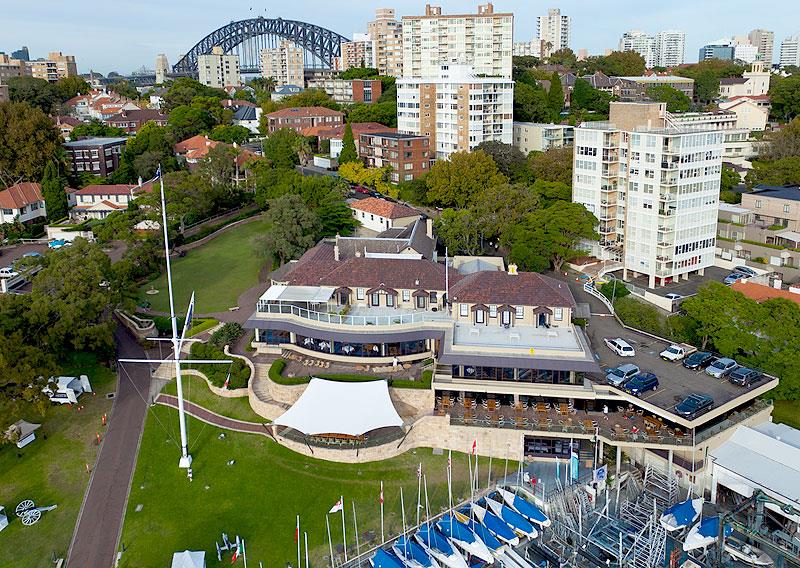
{"type": "Point", "coordinates": [94, 542]}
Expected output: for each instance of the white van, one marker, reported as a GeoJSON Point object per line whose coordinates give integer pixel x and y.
{"type": "Point", "coordinates": [620, 347]}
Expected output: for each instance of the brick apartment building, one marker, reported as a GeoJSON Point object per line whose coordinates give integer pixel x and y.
{"type": "Point", "coordinates": [132, 120]}
{"type": "Point", "coordinates": [410, 156]}
{"type": "Point", "coordinates": [97, 156]}
{"type": "Point", "coordinates": [299, 119]}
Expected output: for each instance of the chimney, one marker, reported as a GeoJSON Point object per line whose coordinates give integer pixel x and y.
{"type": "Point", "coordinates": [512, 269]}
{"type": "Point", "coordinates": [140, 181]}
{"type": "Point", "coordinates": [429, 227]}
{"type": "Point", "coordinates": [336, 250]}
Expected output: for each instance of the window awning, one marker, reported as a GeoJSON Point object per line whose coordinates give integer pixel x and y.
{"type": "Point", "coordinates": [331, 407]}
{"type": "Point", "coordinates": [789, 236]}
{"type": "Point", "coordinates": [311, 294]}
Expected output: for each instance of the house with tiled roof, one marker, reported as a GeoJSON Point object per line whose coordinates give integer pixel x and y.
{"type": "Point", "coordinates": [65, 124]}
{"type": "Point", "coordinates": [752, 112]}
{"type": "Point", "coordinates": [192, 150]}
{"type": "Point", "coordinates": [302, 118]}
{"type": "Point", "coordinates": [98, 201]}
{"type": "Point", "coordinates": [130, 121]}
{"type": "Point", "coordinates": [22, 202]}
{"type": "Point", "coordinates": [380, 215]}
{"type": "Point", "coordinates": [762, 292]}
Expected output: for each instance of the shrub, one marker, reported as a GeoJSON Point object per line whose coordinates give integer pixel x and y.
{"type": "Point", "coordinates": [614, 289]}
{"type": "Point", "coordinates": [277, 367]}
{"type": "Point", "coordinates": [226, 335]}
{"type": "Point", "coordinates": [640, 315]}
{"type": "Point", "coordinates": [217, 373]}
{"type": "Point", "coordinates": [201, 325]}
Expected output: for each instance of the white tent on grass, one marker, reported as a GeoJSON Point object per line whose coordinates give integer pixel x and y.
{"type": "Point", "coordinates": [189, 559]}
{"type": "Point", "coordinates": [350, 409]}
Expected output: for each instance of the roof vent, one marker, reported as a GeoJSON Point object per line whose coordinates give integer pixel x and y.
{"type": "Point", "coordinates": [512, 269]}
{"type": "Point", "coordinates": [416, 282]}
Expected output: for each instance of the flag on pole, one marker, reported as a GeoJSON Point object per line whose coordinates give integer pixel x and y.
{"type": "Point", "coordinates": [419, 471]}
{"type": "Point", "coordinates": [236, 551]}
{"type": "Point", "coordinates": [474, 446]}
{"type": "Point", "coordinates": [338, 506]}
{"type": "Point", "coordinates": [227, 381]}
{"type": "Point", "coordinates": [297, 530]}
{"type": "Point", "coordinates": [381, 497]}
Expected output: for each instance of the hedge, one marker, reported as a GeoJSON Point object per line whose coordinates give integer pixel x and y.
{"type": "Point", "coordinates": [277, 367]}
{"type": "Point", "coordinates": [239, 371]}
{"type": "Point", "coordinates": [229, 333]}
{"type": "Point", "coordinates": [201, 325]}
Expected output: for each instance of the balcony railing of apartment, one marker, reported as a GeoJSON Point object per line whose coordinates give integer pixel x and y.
{"type": "Point", "coordinates": [355, 320]}
{"type": "Point", "coordinates": [671, 165]}
{"type": "Point", "coordinates": [607, 229]}
{"type": "Point", "coordinates": [737, 417]}
{"type": "Point", "coordinates": [666, 212]}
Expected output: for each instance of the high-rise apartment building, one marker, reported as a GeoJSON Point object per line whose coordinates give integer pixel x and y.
{"type": "Point", "coordinates": [790, 51]}
{"type": "Point", "coordinates": [162, 68]}
{"type": "Point", "coordinates": [482, 41]}
{"type": "Point", "coordinates": [764, 40]}
{"type": "Point", "coordinates": [456, 109]}
{"type": "Point", "coordinates": [10, 67]}
{"type": "Point", "coordinates": [530, 48]}
{"type": "Point", "coordinates": [670, 46]}
{"type": "Point", "coordinates": [357, 53]}
{"type": "Point", "coordinates": [56, 66]}
{"type": "Point", "coordinates": [654, 187]}
{"type": "Point", "coordinates": [553, 31]}
{"type": "Point", "coordinates": [386, 33]}
{"type": "Point", "coordinates": [22, 54]}
{"type": "Point", "coordinates": [642, 43]}
{"type": "Point", "coordinates": [217, 69]}
{"type": "Point", "coordinates": [731, 49]}
{"type": "Point", "coordinates": [283, 63]}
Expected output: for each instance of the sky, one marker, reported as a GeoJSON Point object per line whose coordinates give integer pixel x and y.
{"type": "Point", "coordinates": [128, 34]}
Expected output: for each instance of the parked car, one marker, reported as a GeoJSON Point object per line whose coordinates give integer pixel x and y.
{"type": "Point", "coordinates": [734, 276]}
{"type": "Point", "coordinates": [620, 347]}
{"type": "Point", "coordinates": [745, 270]}
{"type": "Point", "coordinates": [694, 405]}
{"type": "Point", "coordinates": [8, 272]}
{"type": "Point", "coordinates": [698, 360]}
{"type": "Point", "coordinates": [360, 189]}
{"type": "Point", "coordinates": [619, 375]}
{"type": "Point", "coordinates": [641, 383]}
{"type": "Point", "coordinates": [676, 352]}
{"type": "Point", "coordinates": [743, 376]}
{"type": "Point", "coordinates": [721, 368]}
{"type": "Point", "coordinates": [673, 296]}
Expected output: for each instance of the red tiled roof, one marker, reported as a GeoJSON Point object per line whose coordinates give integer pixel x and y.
{"type": "Point", "coordinates": [384, 208]}
{"type": "Point", "coordinates": [524, 288]}
{"type": "Point", "coordinates": [761, 293]}
{"type": "Point", "coordinates": [101, 189]}
{"type": "Point", "coordinates": [140, 115]}
{"type": "Point", "coordinates": [19, 195]}
{"type": "Point", "coordinates": [105, 202]}
{"type": "Point", "coordinates": [328, 131]}
{"type": "Point", "coordinates": [304, 112]}
{"type": "Point", "coordinates": [237, 103]}
{"type": "Point", "coordinates": [194, 143]}
{"type": "Point", "coordinates": [753, 97]}
{"type": "Point", "coordinates": [65, 120]}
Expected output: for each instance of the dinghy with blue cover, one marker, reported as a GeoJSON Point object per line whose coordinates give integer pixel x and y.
{"type": "Point", "coordinates": [491, 542]}
{"type": "Point", "coordinates": [516, 521]}
{"type": "Point", "coordinates": [412, 554]}
{"type": "Point", "coordinates": [682, 515]}
{"type": "Point", "coordinates": [385, 559]}
{"type": "Point", "coordinates": [495, 525]}
{"type": "Point", "coordinates": [704, 534]}
{"type": "Point", "coordinates": [438, 546]}
{"type": "Point", "coordinates": [528, 510]}
{"type": "Point", "coordinates": [464, 537]}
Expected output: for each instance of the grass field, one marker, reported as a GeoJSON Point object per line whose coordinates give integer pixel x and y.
{"type": "Point", "coordinates": [218, 272]}
{"type": "Point", "coordinates": [196, 390]}
{"type": "Point", "coordinates": [787, 412]}
{"type": "Point", "coordinates": [52, 471]}
{"type": "Point", "coordinates": [259, 496]}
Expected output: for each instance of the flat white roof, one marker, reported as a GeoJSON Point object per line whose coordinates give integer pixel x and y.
{"type": "Point", "coordinates": [732, 208]}
{"type": "Point", "coordinates": [311, 294]}
{"type": "Point", "coordinates": [791, 235]}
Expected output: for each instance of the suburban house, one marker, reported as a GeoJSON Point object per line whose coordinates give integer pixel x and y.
{"type": "Point", "coordinates": [194, 149]}
{"type": "Point", "coordinates": [761, 292]}
{"type": "Point", "coordinates": [132, 120]}
{"type": "Point", "coordinates": [99, 105]}
{"type": "Point", "coordinates": [285, 91]}
{"type": "Point", "coordinates": [22, 202]}
{"type": "Point", "coordinates": [99, 201]}
{"type": "Point", "coordinates": [96, 156]}
{"type": "Point", "coordinates": [751, 111]}
{"type": "Point", "coordinates": [248, 116]}
{"type": "Point", "coordinates": [409, 155]}
{"type": "Point", "coordinates": [299, 119]}
{"type": "Point", "coordinates": [754, 82]}
{"type": "Point", "coordinates": [65, 124]}
{"type": "Point", "coordinates": [380, 215]}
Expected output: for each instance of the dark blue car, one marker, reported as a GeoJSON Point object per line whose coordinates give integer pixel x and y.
{"type": "Point", "coordinates": [642, 382]}
{"type": "Point", "coordinates": [694, 405]}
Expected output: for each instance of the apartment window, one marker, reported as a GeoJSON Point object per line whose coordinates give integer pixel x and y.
{"type": "Point", "coordinates": [519, 312]}
{"type": "Point", "coordinates": [390, 300]}
{"type": "Point", "coordinates": [492, 311]}
{"type": "Point", "coordinates": [480, 316]}
{"type": "Point", "coordinates": [758, 204]}
{"type": "Point", "coordinates": [375, 300]}
{"type": "Point", "coordinates": [463, 309]}
{"type": "Point", "coordinates": [786, 208]}
{"type": "Point", "coordinates": [558, 313]}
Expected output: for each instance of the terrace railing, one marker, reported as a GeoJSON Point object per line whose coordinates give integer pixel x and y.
{"type": "Point", "coordinates": [354, 320]}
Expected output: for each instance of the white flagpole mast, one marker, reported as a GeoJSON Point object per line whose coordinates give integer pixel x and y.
{"type": "Point", "coordinates": [382, 537]}
{"type": "Point", "coordinates": [450, 485]}
{"type": "Point", "coordinates": [403, 509]}
{"type": "Point", "coordinates": [419, 490]}
{"type": "Point", "coordinates": [330, 542]}
{"type": "Point", "coordinates": [489, 479]}
{"type": "Point", "coordinates": [244, 553]}
{"type": "Point", "coordinates": [355, 528]}
{"type": "Point", "coordinates": [297, 532]}
{"type": "Point", "coordinates": [344, 532]}
{"type": "Point", "coordinates": [305, 538]}
{"type": "Point", "coordinates": [186, 459]}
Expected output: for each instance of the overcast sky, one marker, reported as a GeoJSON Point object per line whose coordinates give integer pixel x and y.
{"type": "Point", "coordinates": [125, 34]}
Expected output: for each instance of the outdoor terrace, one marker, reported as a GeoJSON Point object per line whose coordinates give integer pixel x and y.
{"type": "Point", "coordinates": [354, 316]}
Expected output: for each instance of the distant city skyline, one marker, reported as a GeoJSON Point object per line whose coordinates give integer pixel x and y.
{"type": "Point", "coordinates": [138, 30]}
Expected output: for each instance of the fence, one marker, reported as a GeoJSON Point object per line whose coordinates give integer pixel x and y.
{"type": "Point", "coordinates": [340, 319]}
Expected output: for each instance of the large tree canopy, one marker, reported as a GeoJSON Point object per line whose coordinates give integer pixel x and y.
{"type": "Point", "coordinates": [28, 141]}
{"type": "Point", "coordinates": [457, 180]}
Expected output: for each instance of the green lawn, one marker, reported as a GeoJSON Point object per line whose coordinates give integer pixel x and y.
{"type": "Point", "coordinates": [259, 496]}
{"type": "Point", "coordinates": [52, 471]}
{"type": "Point", "coordinates": [218, 272]}
{"type": "Point", "coordinates": [196, 390]}
{"type": "Point", "coordinates": [787, 412]}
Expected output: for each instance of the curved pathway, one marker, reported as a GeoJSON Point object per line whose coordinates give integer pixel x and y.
{"type": "Point", "coordinates": [205, 415]}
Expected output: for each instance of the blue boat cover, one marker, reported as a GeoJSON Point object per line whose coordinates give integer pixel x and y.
{"type": "Point", "coordinates": [413, 551]}
{"type": "Point", "coordinates": [485, 535]}
{"type": "Point", "coordinates": [684, 513]}
{"type": "Point", "coordinates": [434, 539]}
{"type": "Point", "coordinates": [516, 520]}
{"type": "Point", "coordinates": [385, 559]}
{"type": "Point", "coordinates": [709, 528]}
{"type": "Point", "coordinates": [455, 529]}
{"type": "Point", "coordinates": [529, 510]}
{"type": "Point", "coordinates": [498, 527]}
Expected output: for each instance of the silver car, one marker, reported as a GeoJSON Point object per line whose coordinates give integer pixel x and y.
{"type": "Point", "coordinates": [721, 367]}
{"type": "Point", "coordinates": [618, 376]}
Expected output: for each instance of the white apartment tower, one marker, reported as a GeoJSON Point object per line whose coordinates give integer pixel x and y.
{"type": "Point", "coordinates": [654, 188]}
{"type": "Point", "coordinates": [553, 31]}
{"type": "Point", "coordinates": [670, 46]}
{"type": "Point", "coordinates": [386, 33]}
{"type": "Point", "coordinates": [764, 40]}
{"type": "Point", "coordinates": [641, 43]}
{"type": "Point", "coordinates": [456, 109]}
{"type": "Point", "coordinates": [483, 41]}
{"type": "Point", "coordinates": [216, 69]}
{"type": "Point", "coordinates": [283, 63]}
{"type": "Point", "coordinates": [790, 51]}
{"type": "Point", "coordinates": [357, 53]}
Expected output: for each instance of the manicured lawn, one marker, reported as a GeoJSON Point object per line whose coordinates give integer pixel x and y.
{"type": "Point", "coordinates": [196, 390]}
{"type": "Point", "coordinates": [259, 496]}
{"type": "Point", "coordinates": [52, 471]}
{"type": "Point", "coordinates": [218, 272]}
{"type": "Point", "coordinates": [787, 412]}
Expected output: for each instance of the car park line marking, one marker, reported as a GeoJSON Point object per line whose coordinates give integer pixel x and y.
{"type": "Point", "coordinates": [652, 394]}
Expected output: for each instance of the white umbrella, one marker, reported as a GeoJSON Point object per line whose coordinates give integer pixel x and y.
{"type": "Point", "coordinates": [348, 348]}
{"type": "Point", "coordinates": [324, 344]}
{"type": "Point", "coordinates": [375, 348]}
{"type": "Point", "coordinates": [308, 341]}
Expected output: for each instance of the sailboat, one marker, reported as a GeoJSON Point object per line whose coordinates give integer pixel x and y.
{"type": "Point", "coordinates": [528, 510]}
{"type": "Point", "coordinates": [495, 525]}
{"type": "Point", "coordinates": [412, 554]}
{"type": "Point", "coordinates": [516, 521]}
{"type": "Point", "coordinates": [681, 515]}
{"type": "Point", "coordinates": [491, 542]}
{"type": "Point", "coordinates": [746, 553]}
{"type": "Point", "coordinates": [385, 559]}
{"type": "Point", "coordinates": [464, 537]}
{"type": "Point", "coordinates": [704, 533]}
{"type": "Point", "coordinates": [438, 546]}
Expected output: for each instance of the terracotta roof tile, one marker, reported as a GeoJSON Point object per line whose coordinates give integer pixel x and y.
{"type": "Point", "coordinates": [524, 288]}
{"type": "Point", "coordinates": [761, 293]}
{"type": "Point", "coordinates": [304, 112]}
{"type": "Point", "coordinates": [19, 195]}
{"type": "Point", "coordinates": [383, 208]}
{"type": "Point", "coordinates": [102, 189]}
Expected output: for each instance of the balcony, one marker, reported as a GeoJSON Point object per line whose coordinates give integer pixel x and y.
{"type": "Point", "coordinates": [357, 316]}
{"type": "Point", "coordinates": [666, 212]}
{"type": "Point", "coordinates": [607, 229]}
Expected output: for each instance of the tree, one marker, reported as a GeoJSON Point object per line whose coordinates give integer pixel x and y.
{"type": "Point", "coordinates": [281, 148]}
{"type": "Point", "coordinates": [785, 143]}
{"type": "Point", "coordinates": [530, 104]}
{"type": "Point", "coordinates": [785, 96]}
{"type": "Point", "coordinates": [459, 229]}
{"type": "Point", "coordinates": [124, 89]}
{"type": "Point", "coordinates": [724, 318]}
{"type": "Point", "coordinates": [28, 142]}
{"type": "Point", "coordinates": [36, 92]}
{"type": "Point", "coordinates": [348, 153]}
{"type": "Point", "coordinates": [586, 97]}
{"type": "Point", "coordinates": [95, 128]}
{"type": "Point", "coordinates": [187, 121]}
{"type": "Point", "coordinates": [499, 208]}
{"type": "Point", "coordinates": [676, 100]}
{"type": "Point", "coordinates": [784, 171]}
{"type": "Point", "coordinates": [293, 228]}
{"type": "Point", "coordinates": [334, 215]}
{"type": "Point", "coordinates": [555, 97]}
{"type": "Point", "coordinates": [376, 178]}
{"type": "Point", "coordinates": [458, 180]}
{"type": "Point", "coordinates": [360, 73]}
{"type": "Point", "coordinates": [510, 161]}
{"type": "Point", "coordinates": [729, 179]}
{"type": "Point", "coordinates": [564, 56]}
{"type": "Point", "coordinates": [548, 192]}
{"type": "Point", "coordinates": [553, 165]}
{"type": "Point", "coordinates": [551, 236]}
{"type": "Point", "coordinates": [183, 90]}
{"type": "Point", "coordinates": [310, 98]}
{"type": "Point", "coordinates": [230, 133]}
{"type": "Point", "coordinates": [151, 146]}
{"type": "Point", "coordinates": [381, 112]}
{"type": "Point", "coordinates": [55, 198]}
{"type": "Point", "coordinates": [623, 64]}
{"type": "Point", "coordinates": [706, 75]}
{"type": "Point", "coordinates": [219, 167]}
{"type": "Point", "coordinates": [614, 290]}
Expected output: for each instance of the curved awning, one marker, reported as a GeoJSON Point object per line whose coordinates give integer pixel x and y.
{"type": "Point", "coordinates": [332, 407]}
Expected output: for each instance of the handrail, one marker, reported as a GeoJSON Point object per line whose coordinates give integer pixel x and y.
{"type": "Point", "coordinates": [590, 289]}
{"type": "Point", "coordinates": [343, 319]}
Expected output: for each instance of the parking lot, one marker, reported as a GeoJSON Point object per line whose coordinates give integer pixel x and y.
{"type": "Point", "coordinates": [683, 287]}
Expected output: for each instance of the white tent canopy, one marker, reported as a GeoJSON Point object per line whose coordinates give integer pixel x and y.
{"type": "Point", "coordinates": [311, 294]}
{"type": "Point", "coordinates": [352, 409]}
{"type": "Point", "coordinates": [189, 559]}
